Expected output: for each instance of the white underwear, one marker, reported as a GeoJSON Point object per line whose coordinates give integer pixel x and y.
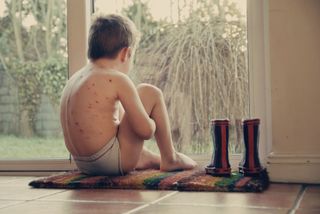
{"type": "Point", "coordinates": [107, 161]}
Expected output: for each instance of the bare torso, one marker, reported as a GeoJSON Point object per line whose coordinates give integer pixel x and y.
{"type": "Point", "coordinates": [89, 111]}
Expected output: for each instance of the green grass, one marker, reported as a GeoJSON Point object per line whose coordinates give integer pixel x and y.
{"type": "Point", "coordinates": [12, 147]}
{"type": "Point", "coordinates": [188, 149]}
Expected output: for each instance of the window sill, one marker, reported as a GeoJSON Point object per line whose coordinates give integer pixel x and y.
{"type": "Point", "coordinates": [35, 167]}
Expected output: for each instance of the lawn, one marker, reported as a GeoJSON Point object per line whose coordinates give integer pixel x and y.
{"type": "Point", "coordinates": [12, 147]}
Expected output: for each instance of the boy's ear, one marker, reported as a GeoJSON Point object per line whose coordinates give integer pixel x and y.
{"type": "Point", "coordinates": [125, 54]}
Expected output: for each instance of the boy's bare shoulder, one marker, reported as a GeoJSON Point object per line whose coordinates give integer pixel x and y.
{"type": "Point", "coordinates": [115, 81]}
{"type": "Point", "coordinates": [116, 77]}
{"type": "Point", "coordinates": [111, 74]}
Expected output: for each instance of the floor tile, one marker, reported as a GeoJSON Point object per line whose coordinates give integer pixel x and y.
{"type": "Point", "coordinates": [4, 178]}
{"type": "Point", "coordinates": [41, 207]}
{"type": "Point", "coordinates": [176, 209]}
{"type": "Point", "coordinates": [277, 196]}
{"type": "Point", "coordinates": [5, 203]}
{"type": "Point", "coordinates": [10, 193]}
{"type": "Point", "coordinates": [311, 198]}
{"type": "Point", "coordinates": [307, 211]}
{"type": "Point", "coordinates": [109, 195]}
{"type": "Point", "coordinates": [16, 181]}
{"type": "Point", "coordinates": [19, 190]}
{"type": "Point", "coordinates": [8, 179]}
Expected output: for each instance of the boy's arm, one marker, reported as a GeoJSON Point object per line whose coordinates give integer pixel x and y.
{"type": "Point", "coordinates": [140, 121]}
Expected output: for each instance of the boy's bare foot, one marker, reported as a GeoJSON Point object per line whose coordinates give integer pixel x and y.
{"type": "Point", "coordinates": [180, 162]}
{"type": "Point", "coordinates": [148, 160]}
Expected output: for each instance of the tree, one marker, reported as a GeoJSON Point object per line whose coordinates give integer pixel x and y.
{"type": "Point", "coordinates": [33, 53]}
{"type": "Point", "coordinates": [140, 14]}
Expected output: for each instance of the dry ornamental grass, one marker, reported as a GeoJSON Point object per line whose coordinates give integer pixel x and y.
{"type": "Point", "coordinates": [201, 66]}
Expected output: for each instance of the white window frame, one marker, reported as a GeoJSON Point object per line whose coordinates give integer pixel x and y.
{"type": "Point", "coordinates": [259, 71]}
{"type": "Point", "coordinates": [78, 19]}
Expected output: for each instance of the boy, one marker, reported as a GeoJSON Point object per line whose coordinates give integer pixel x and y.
{"type": "Point", "coordinates": [105, 118]}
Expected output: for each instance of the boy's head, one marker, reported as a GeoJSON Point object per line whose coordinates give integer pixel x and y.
{"type": "Point", "coordinates": [109, 34]}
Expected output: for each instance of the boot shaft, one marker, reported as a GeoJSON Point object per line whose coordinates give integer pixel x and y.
{"type": "Point", "coordinates": [220, 165]}
{"type": "Point", "coordinates": [250, 164]}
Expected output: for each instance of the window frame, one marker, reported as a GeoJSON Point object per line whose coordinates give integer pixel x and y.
{"type": "Point", "coordinates": [79, 11]}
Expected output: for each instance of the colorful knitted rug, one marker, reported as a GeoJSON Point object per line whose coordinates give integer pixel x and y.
{"type": "Point", "coordinates": [192, 180]}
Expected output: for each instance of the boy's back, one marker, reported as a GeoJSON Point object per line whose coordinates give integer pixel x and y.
{"type": "Point", "coordinates": [89, 110]}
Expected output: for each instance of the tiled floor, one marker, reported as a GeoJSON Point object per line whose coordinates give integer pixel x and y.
{"type": "Point", "coordinates": [17, 197]}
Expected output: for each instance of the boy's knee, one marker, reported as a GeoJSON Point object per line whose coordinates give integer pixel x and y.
{"type": "Point", "coordinates": [149, 90]}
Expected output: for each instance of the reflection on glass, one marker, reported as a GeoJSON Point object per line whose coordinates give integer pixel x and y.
{"type": "Point", "coordinates": [196, 52]}
{"type": "Point", "coordinates": [33, 71]}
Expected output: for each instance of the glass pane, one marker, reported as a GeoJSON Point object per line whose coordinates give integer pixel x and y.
{"type": "Point", "coordinates": [33, 72]}
{"type": "Point", "coordinates": [196, 52]}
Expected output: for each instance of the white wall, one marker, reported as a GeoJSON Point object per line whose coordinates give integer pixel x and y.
{"type": "Point", "coordinates": [294, 45]}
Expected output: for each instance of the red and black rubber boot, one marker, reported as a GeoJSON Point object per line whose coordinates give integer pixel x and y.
{"type": "Point", "coordinates": [220, 165]}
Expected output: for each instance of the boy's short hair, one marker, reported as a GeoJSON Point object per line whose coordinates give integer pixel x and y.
{"type": "Point", "coordinates": [109, 34]}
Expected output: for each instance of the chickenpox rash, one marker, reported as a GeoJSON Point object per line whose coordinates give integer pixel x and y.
{"type": "Point", "coordinates": [97, 101]}
{"type": "Point", "coordinates": [110, 80]}
{"type": "Point", "coordinates": [76, 123]}
{"type": "Point", "coordinates": [81, 130]}
{"type": "Point", "coordinates": [107, 98]}
{"type": "Point", "coordinates": [93, 84]}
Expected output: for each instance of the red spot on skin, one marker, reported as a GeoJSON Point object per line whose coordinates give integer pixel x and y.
{"type": "Point", "coordinates": [90, 106]}
{"type": "Point", "coordinates": [93, 84]}
{"type": "Point", "coordinates": [107, 98]}
{"type": "Point", "coordinates": [95, 93]}
{"type": "Point", "coordinates": [100, 133]}
{"type": "Point", "coordinates": [81, 130]}
{"type": "Point", "coordinates": [88, 88]}
{"type": "Point", "coordinates": [97, 101]}
{"type": "Point", "coordinates": [110, 80]}
{"type": "Point", "coordinates": [76, 123]}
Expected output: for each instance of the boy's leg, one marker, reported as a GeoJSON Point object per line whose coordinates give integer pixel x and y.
{"type": "Point", "coordinates": [148, 160]}
{"type": "Point", "coordinates": [132, 145]}
{"type": "Point", "coordinates": [132, 150]}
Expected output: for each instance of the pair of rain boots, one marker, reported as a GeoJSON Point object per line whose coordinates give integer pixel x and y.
{"type": "Point", "coordinates": [250, 163]}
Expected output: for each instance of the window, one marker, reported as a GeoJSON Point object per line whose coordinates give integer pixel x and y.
{"type": "Point", "coordinates": [33, 72]}
{"type": "Point", "coordinates": [78, 24]}
{"type": "Point", "coordinates": [196, 52]}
